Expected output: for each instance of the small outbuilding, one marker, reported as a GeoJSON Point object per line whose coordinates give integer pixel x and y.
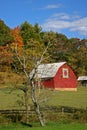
{"type": "Point", "coordinates": [57, 76]}
{"type": "Point", "coordinates": [83, 80]}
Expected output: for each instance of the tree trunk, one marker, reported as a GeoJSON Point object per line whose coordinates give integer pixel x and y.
{"type": "Point", "coordinates": [27, 106]}
{"type": "Point", "coordinates": [35, 102]}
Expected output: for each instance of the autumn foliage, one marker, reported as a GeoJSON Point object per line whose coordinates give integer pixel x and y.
{"type": "Point", "coordinates": [5, 57]}
{"type": "Point", "coordinates": [31, 40]}
{"type": "Point", "coordinates": [18, 41]}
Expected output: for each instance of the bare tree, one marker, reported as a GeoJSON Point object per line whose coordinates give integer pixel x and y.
{"type": "Point", "coordinates": [32, 82]}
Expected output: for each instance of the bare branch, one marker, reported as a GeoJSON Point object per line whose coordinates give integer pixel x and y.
{"type": "Point", "coordinates": [23, 64]}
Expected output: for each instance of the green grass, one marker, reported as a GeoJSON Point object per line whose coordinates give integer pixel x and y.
{"type": "Point", "coordinates": [50, 126]}
{"type": "Point", "coordinates": [72, 99]}
{"type": "Point", "coordinates": [11, 100]}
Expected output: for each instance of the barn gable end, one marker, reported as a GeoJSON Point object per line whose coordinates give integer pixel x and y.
{"type": "Point", "coordinates": [65, 79]}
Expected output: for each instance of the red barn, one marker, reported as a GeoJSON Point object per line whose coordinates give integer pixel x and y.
{"type": "Point", "coordinates": [58, 76]}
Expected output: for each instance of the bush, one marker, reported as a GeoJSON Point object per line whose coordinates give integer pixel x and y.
{"type": "Point", "coordinates": [4, 120]}
{"type": "Point", "coordinates": [80, 116]}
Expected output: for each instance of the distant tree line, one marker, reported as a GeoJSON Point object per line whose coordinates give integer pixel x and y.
{"type": "Point", "coordinates": [33, 39]}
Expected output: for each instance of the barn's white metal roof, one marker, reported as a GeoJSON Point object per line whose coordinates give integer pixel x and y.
{"type": "Point", "coordinates": [82, 78]}
{"type": "Point", "coordinates": [48, 70]}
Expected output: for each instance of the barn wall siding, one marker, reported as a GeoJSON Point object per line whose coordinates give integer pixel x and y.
{"type": "Point", "coordinates": [49, 83]}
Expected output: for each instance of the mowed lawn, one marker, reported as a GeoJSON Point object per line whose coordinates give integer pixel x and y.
{"type": "Point", "coordinates": [12, 99]}
{"type": "Point", "coordinates": [76, 99]}
{"type": "Point", "coordinates": [50, 126]}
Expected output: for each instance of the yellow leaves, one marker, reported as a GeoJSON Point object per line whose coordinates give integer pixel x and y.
{"type": "Point", "coordinates": [5, 55]}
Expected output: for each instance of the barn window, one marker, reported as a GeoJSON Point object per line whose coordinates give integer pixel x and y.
{"type": "Point", "coordinates": [65, 73]}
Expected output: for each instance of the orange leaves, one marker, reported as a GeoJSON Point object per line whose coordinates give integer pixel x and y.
{"type": "Point", "coordinates": [18, 41]}
{"type": "Point", "coordinates": [6, 54]}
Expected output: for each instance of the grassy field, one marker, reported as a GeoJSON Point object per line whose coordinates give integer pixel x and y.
{"type": "Point", "coordinates": [9, 98]}
{"type": "Point", "coordinates": [50, 126]}
{"type": "Point", "coordinates": [12, 99]}
{"type": "Point", "coordinates": [72, 99]}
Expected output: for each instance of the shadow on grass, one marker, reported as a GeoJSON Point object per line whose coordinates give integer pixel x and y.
{"type": "Point", "coordinates": [25, 124]}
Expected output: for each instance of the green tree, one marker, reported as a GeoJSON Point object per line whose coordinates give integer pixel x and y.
{"type": "Point", "coordinates": [60, 49]}
{"type": "Point", "coordinates": [29, 32]}
{"type": "Point", "coordinates": [81, 57]}
{"type": "Point", "coordinates": [49, 37]}
{"type": "Point", "coordinates": [57, 51]}
{"type": "Point", "coordinates": [37, 28]}
{"type": "Point", "coordinates": [5, 37]}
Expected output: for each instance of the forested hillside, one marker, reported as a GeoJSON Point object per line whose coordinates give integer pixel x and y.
{"type": "Point", "coordinates": [33, 40]}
